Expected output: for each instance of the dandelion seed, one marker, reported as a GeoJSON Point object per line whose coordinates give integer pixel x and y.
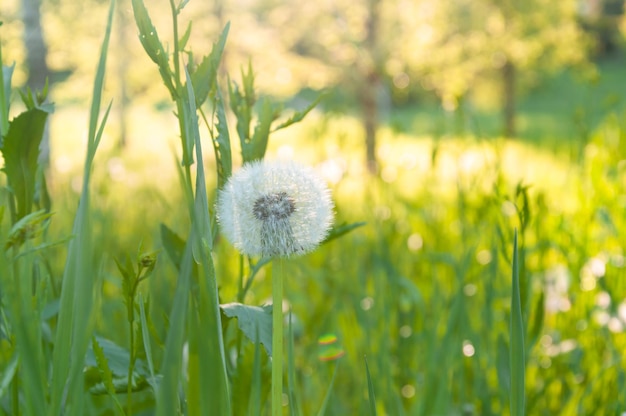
{"type": "Point", "coordinates": [275, 209]}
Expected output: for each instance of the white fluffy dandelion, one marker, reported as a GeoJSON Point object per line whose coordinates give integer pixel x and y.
{"type": "Point", "coordinates": [275, 209]}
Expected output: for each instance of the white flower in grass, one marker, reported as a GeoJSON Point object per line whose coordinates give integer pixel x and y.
{"type": "Point", "coordinates": [275, 209]}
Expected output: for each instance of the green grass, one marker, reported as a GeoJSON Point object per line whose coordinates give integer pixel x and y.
{"type": "Point", "coordinates": [456, 312]}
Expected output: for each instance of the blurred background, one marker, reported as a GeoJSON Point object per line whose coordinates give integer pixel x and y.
{"type": "Point", "coordinates": [539, 71]}
{"type": "Point", "coordinates": [445, 125]}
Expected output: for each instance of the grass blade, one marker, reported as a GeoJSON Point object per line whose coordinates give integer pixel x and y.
{"type": "Point", "coordinates": [213, 380]}
{"type": "Point", "coordinates": [322, 410]}
{"type": "Point", "coordinates": [171, 367]}
{"type": "Point", "coordinates": [370, 390]}
{"type": "Point", "coordinates": [73, 329]}
{"type": "Point", "coordinates": [517, 360]}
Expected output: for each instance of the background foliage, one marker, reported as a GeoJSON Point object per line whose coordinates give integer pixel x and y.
{"type": "Point", "coordinates": [423, 290]}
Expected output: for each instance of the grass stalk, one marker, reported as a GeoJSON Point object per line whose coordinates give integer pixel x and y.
{"type": "Point", "coordinates": [131, 365]}
{"type": "Point", "coordinates": [277, 340]}
{"type": "Point", "coordinates": [517, 360]}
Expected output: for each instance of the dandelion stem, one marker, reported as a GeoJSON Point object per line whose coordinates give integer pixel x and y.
{"type": "Point", "coordinates": [277, 339]}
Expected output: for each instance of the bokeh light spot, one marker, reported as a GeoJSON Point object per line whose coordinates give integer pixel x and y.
{"type": "Point", "coordinates": [415, 242]}
{"type": "Point", "coordinates": [407, 391]}
{"type": "Point", "coordinates": [468, 349]}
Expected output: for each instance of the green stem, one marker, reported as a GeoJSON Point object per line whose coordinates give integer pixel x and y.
{"type": "Point", "coordinates": [131, 364]}
{"type": "Point", "coordinates": [176, 50]}
{"type": "Point", "coordinates": [277, 340]}
{"type": "Point", "coordinates": [240, 292]}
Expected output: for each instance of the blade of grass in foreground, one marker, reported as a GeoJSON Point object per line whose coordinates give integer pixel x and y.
{"type": "Point", "coordinates": [370, 390]}
{"type": "Point", "coordinates": [322, 410]}
{"type": "Point", "coordinates": [517, 341]}
{"type": "Point", "coordinates": [73, 328]}
{"type": "Point", "coordinates": [206, 330]}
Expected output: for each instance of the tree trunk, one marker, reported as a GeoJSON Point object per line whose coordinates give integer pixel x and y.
{"type": "Point", "coordinates": [36, 49]}
{"type": "Point", "coordinates": [369, 95]}
{"type": "Point", "coordinates": [36, 52]}
{"type": "Point", "coordinates": [369, 104]}
{"type": "Point", "coordinates": [508, 98]}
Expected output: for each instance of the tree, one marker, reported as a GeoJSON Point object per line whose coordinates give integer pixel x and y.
{"type": "Point", "coordinates": [36, 53]}
{"type": "Point", "coordinates": [466, 40]}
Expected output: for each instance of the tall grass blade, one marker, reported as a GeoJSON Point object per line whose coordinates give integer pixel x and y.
{"type": "Point", "coordinates": [73, 329]}
{"type": "Point", "coordinates": [171, 367]}
{"type": "Point", "coordinates": [517, 347]}
{"type": "Point", "coordinates": [370, 390]}
{"type": "Point", "coordinates": [322, 410]}
{"type": "Point", "coordinates": [213, 377]}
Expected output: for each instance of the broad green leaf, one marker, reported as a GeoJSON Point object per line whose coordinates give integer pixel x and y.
{"type": "Point", "coordinates": [249, 318]}
{"type": "Point", "coordinates": [21, 150]}
{"type": "Point", "coordinates": [204, 78]}
{"type": "Point", "coordinates": [517, 347]}
{"type": "Point", "coordinates": [118, 358]}
{"type": "Point", "coordinates": [152, 45]}
{"type": "Point", "coordinates": [105, 371]}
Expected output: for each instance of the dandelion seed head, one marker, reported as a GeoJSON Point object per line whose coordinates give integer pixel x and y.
{"type": "Point", "coordinates": [275, 209]}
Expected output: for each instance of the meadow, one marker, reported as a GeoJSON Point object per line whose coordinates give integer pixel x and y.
{"type": "Point", "coordinates": [473, 275]}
